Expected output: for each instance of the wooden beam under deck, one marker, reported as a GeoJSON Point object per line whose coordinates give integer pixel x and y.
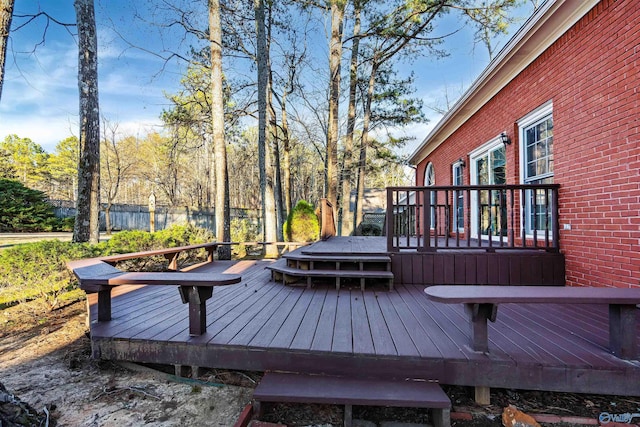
{"type": "Point", "coordinates": [262, 325]}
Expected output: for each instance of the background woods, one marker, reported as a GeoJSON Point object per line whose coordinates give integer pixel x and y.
{"type": "Point", "coordinates": [278, 102]}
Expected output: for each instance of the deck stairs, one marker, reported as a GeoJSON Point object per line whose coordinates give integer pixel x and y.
{"type": "Point", "coordinates": [349, 391]}
{"type": "Point", "coordinates": [309, 266]}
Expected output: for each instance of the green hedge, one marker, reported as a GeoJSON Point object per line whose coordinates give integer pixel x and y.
{"type": "Point", "coordinates": [38, 270]}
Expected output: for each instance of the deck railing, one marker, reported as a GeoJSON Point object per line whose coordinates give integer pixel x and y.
{"type": "Point", "coordinates": [487, 217]}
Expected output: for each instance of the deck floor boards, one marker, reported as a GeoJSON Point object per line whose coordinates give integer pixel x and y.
{"type": "Point", "coordinates": [261, 324]}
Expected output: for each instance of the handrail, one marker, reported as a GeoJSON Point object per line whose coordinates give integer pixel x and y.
{"type": "Point", "coordinates": [487, 217]}
{"type": "Point", "coordinates": [327, 220]}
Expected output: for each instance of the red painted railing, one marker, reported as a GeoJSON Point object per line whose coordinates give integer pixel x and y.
{"type": "Point", "coordinates": [487, 217]}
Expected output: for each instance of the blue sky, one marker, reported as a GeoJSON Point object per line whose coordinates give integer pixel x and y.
{"type": "Point", "coordinates": [40, 96]}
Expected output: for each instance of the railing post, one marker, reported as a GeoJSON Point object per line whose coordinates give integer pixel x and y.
{"type": "Point", "coordinates": [556, 219]}
{"type": "Point", "coordinates": [390, 222]}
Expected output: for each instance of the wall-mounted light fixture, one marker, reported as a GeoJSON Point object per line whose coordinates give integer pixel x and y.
{"type": "Point", "coordinates": [505, 138]}
{"type": "Point", "coordinates": [461, 162]}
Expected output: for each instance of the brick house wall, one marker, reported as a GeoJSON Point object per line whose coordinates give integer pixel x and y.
{"type": "Point", "coordinates": [592, 76]}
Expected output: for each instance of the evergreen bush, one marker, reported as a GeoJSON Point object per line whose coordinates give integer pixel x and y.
{"type": "Point", "coordinates": [23, 209]}
{"type": "Point", "coordinates": [302, 224]}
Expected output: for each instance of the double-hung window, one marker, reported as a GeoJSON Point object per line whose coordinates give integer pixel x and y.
{"type": "Point", "coordinates": [536, 136]}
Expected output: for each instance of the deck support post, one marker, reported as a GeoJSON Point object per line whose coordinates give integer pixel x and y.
{"type": "Point", "coordinates": [181, 371]}
{"type": "Point", "coordinates": [622, 327]}
{"type": "Point", "coordinates": [441, 417]}
{"type": "Point", "coordinates": [348, 415]}
{"type": "Point", "coordinates": [478, 316]}
{"type": "Point", "coordinates": [196, 297]}
{"type": "Point", "coordinates": [483, 395]}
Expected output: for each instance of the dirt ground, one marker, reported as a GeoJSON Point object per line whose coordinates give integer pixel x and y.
{"type": "Point", "coordinates": [45, 367]}
{"type": "Point", "coordinates": [45, 362]}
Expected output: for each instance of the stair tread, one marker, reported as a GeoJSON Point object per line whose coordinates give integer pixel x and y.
{"type": "Point", "coordinates": [282, 268]}
{"type": "Point", "coordinates": [338, 258]}
{"type": "Point", "coordinates": [302, 388]}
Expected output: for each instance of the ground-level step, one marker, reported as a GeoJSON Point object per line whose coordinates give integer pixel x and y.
{"type": "Point", "coordinates": [280, 271]}
{"type": "Point", "coordinates": [300, 388]}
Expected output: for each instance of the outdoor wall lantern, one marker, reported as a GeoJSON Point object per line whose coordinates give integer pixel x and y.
{"type": "Point", "coordinates": [505, 138]}
{"type": "Point", "coordinates": [461, 162]}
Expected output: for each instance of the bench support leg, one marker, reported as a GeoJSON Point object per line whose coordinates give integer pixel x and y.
{"type": "Point", "coordinates": [104, 305]}
{"type": "Point", "coordinates": [478, 316]}
{"type": "Point", "coordinates": [441, 417]}
{"type": "Point", "coordinates": [196, 297]}
{"type": "Point", "coordinates": [622, 331]}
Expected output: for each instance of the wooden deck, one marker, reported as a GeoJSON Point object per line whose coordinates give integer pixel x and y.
{"type": "Point", "coordinates": [262, 325]}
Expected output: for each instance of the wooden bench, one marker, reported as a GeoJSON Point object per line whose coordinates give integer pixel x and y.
{"type": "Point", "coordinates": [99, 275]}
{"type": "Point", "coordinates": [300, 388]}
{"type": "Point", "coordinates": [481, 303]}
{"type": "Point", "coordinates": [170, 254]}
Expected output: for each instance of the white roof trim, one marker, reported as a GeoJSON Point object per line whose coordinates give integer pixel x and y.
{"type": "Point", "coordinates": [541, 30]}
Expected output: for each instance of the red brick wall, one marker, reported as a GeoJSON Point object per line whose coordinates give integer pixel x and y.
{"type": "Point", "coordinates": [592, 75]}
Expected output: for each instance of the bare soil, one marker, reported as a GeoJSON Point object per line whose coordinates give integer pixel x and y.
{"type": "Point", "coordinates": [46, 367]}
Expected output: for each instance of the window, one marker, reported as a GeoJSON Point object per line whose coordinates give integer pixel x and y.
{"type": "Point", "coordinates": [488, 207]}
{"type": "Point", "coordinates": [536, 134]}
{"type": "Point", "coordinates": [458, 196]}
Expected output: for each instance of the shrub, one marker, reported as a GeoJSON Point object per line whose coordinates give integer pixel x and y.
{"type": "Point", "coordinates": [38, 270]}
{"type": "Point", "coordinates": [243, 230]}
{"type": "Point", "coordinates": [302, 224]}
{"type": "Point", "coordinates": [24, 209]}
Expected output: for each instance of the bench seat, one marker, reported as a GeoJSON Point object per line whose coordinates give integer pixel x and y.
{"type": "Point", "coordinates": [481, 303]}
{"type": "Point", "coordinates": [98, 275]}
{"type": "Point", "coordinates": [348, 391]}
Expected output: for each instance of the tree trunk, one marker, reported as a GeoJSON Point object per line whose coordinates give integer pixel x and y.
{"type": "Point", "coordinates": [6, 13]}
{"type": "Point", "coordinates": [264, 153]}
{"type": "Point", "coordinates": [335, 57]}
{"type": "Point", "coordinates": [223, 226]}
{"type": "Point", "coordinates": [345, 221]}
{"type": "Point", "coordinates": [107, 218]}
{"type": "Point", "coordinates": [87, 223]}
{"type": "Point", "coordinates": [362, 164]}
{"type": "Point", "coordinates": [286, 160]}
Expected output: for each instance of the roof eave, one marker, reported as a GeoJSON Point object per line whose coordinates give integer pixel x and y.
{"type": "Point", "coordinates": [539, 32]}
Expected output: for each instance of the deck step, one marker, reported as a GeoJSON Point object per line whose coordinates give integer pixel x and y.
{"type": "Point", "coordinates": [301, 388]}
{"type": "Point", "coordinates": [300, 256]}
{"type": "Point", "coordinates": [280, 270]}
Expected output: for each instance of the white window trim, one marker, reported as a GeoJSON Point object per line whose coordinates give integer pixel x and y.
{"type": "Point", "coordinates": [490, 145]}
{"type": "Point", "coordinates": [539, 113]}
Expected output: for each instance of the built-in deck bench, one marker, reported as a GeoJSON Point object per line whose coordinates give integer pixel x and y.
{"type": "Point", "coordinates": [300, 388]}
{"type": "Point", "coordinates": [481, 303]}
{"type": "Point", "coordinates": [101, 276]}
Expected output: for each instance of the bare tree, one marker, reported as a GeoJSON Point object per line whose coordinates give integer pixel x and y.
{"type": "Point", "coordinates": [6, 13]}
{"type": "Point", "coordinates": [267, 180]}
{"type": "Point", "coordinates": [335, 59]}
{"type": "Point", "coordinates": [117, 161]}
{"type": "Point", "coordinates": [345, 222]}
{"type": "Point", "coordinates": [223, 223]}
{"type": "Point", "coordinates": [86, 227]}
